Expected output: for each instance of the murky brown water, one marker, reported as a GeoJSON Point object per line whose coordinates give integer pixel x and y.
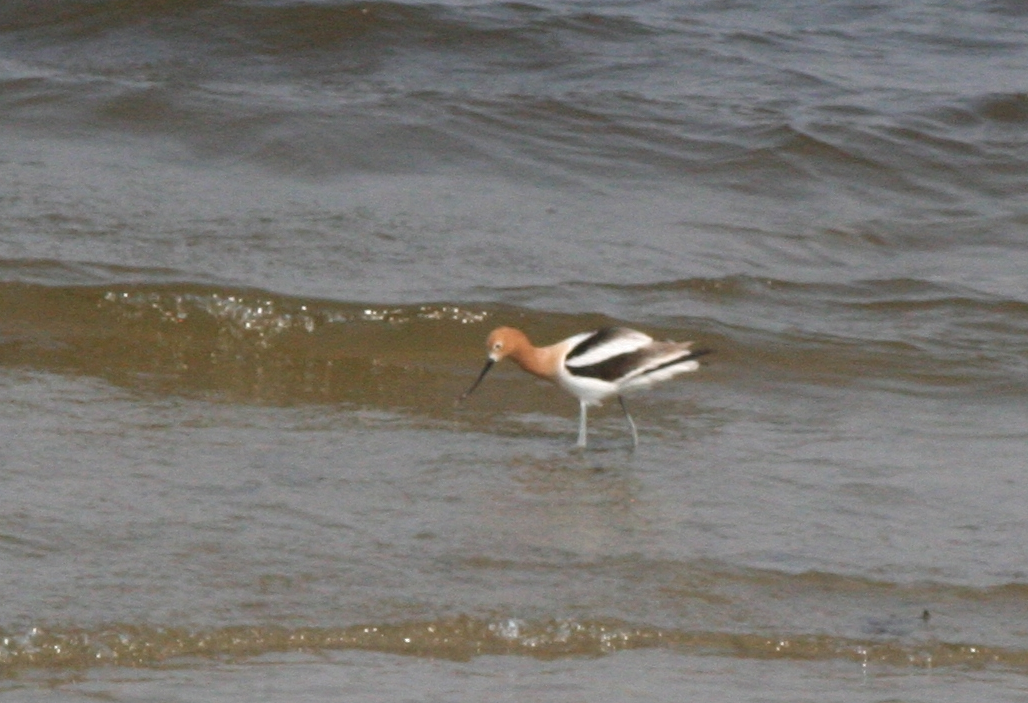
{"type": "Point", "coordinates": [248, 259]}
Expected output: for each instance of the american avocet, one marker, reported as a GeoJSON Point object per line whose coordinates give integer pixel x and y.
{"type": "Point", "coordinates": [593, 366]}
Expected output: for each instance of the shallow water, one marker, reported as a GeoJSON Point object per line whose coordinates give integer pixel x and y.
{"type": "Point", "coordinates": [249, 256]}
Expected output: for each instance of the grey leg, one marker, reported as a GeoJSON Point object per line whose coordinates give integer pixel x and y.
{"type": "Point", "coordinates": [631, 423]}
{"type": "Point", "coordinates": [581, 424]}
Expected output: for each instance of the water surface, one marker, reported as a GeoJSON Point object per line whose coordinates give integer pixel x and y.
{"type": "Point", "coordinates": [249, 256]}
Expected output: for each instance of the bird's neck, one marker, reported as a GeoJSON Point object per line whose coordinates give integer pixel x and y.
{"type": "Point", "coordinates": [538, 361]}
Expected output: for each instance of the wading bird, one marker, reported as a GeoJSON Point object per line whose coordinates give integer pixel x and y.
{"type": "Point", "coordinates": [593, 366]}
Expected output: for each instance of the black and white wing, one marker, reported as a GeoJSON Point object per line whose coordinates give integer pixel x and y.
{"type": "Point", "coordinates": [628, 358]}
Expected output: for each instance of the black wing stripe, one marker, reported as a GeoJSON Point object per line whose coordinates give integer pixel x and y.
{"type": "Point", "coordinates": [623, 364]}
{"type": "Point", "coordinates": [609, 369]}
{"type": "Point", "coordinates": [596, 339]}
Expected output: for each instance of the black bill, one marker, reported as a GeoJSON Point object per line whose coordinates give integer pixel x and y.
{"type": "Point", "coordinates": [488, 365]}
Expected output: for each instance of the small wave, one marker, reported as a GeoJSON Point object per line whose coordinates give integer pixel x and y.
{"type": "Point", "coordinates": [240, 344]}
{"type": "Point", "coordinates": [462, 638]}
{"type": "Point", "coordinates": [249, 344]}
{"type": "Point", "coordinates": [304, 27]}
{"type": "Point", "coordinates": [1005, 108]}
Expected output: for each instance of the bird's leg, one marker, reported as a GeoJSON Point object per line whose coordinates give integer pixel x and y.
{"type": "Point", "coordinates": [631, 423]}
{"type": "Point", "coordinates": [581, 424]}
